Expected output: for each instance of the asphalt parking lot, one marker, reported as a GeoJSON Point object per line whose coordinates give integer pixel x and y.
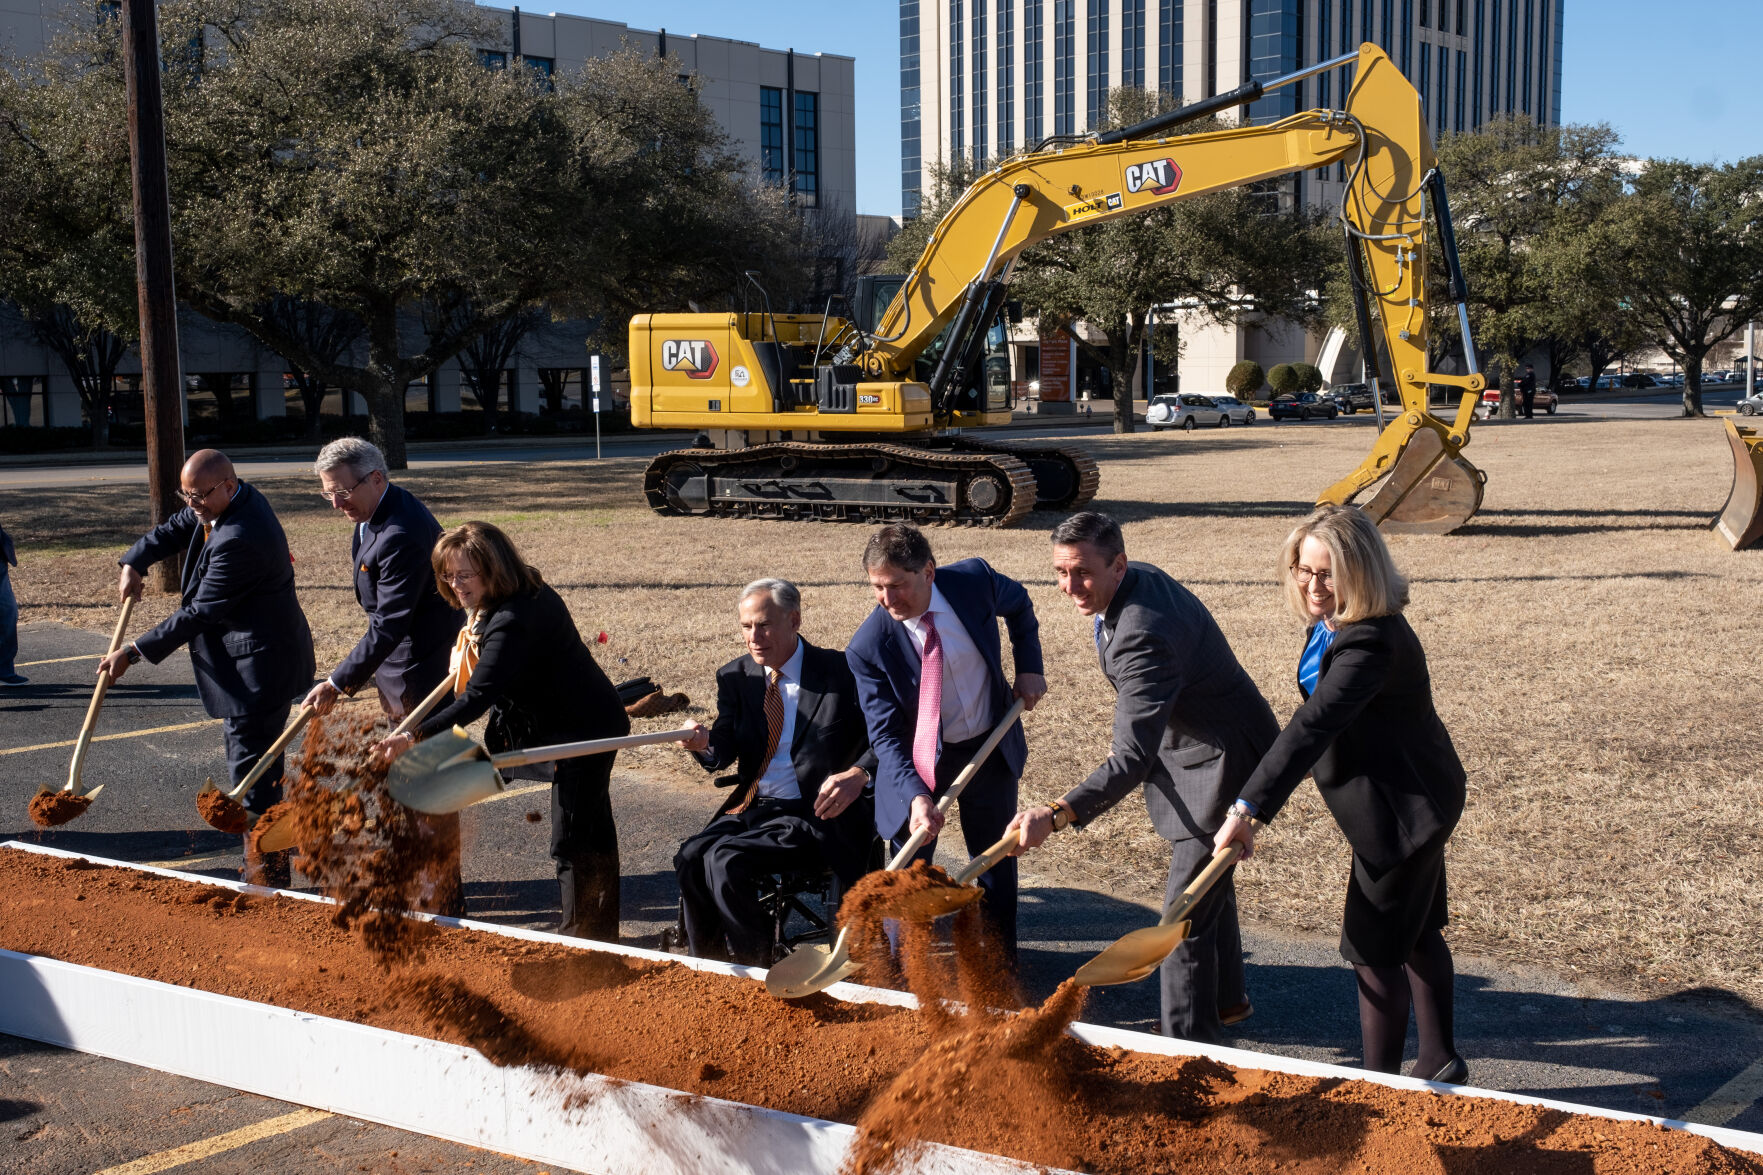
{"type": "Point", "coordinates": [1694, 1055]}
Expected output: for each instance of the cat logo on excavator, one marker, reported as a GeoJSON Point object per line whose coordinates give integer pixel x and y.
{"type": "Point", "coordinates": [696, 357]}
{"type": "Point", "coordinates": [1157, 176]}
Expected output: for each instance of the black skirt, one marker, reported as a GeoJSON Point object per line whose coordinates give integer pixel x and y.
{"type": "Point", "coordinates": [1387, 914]}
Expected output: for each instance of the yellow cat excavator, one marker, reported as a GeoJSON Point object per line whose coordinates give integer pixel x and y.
{"type": "Point", "coordinates": [863, 416]}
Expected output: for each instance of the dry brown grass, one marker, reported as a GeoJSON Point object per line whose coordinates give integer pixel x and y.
{"type": "Point", "coordinates": [1586, 635]}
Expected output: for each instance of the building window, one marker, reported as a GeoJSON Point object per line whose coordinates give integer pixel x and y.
{"type": "Point", "coordinates": [1096, 106]}
{"type": "Point", "coordinates": [1529, 37]}
{"type": "Point", "coordinates": [1169, 47]}
{"type": "Point", "coordinates": [1444, 93]}
{"type": "Point", "coordinates": [1006, 65]}
{"type": "Point", "coordinates": [1458, 124]}
{"type": "Point", "coordinates": [1426, 12]}
{"type": "Point", "coordinates": [1555, 75]}
{"type": "Point", "coordinates": [771, 134]}
{"type": "Point", "coordinates": [1511, 56]}
{"type": "Point", "coordinates": [957, 81]}
{"type": "Point", "coordinates": [492, 59]}
{"type": "Point", "coordinates": [1407, 30]}
{"type": "Point", "coordinates": [1212, 47]}
{"type": "Point", "coordinates": [1389, 28]}
{"type": "Point", "coordinates": [543, 68]}
{"type": "Point", "coordinates": [1064, 61]}
{"type": "Point", "coordinates": [107, 10]}
{"type": "Point", "coordinates": [1033, 54]}
{"type": "Point", "coordinates": [1132, 43]}
{"type": "Point", "coordinates": [1276, 47]}
{"type": "Point", "coordinates": [806, 162]}
{"type": "Point", "coordinates": [1461, 5]}
{"type": "Point", "coordinates": [1424, 82]}
{"type": "Point", "coordinates": [981, 129]}
{"type": "Point", "coordinates": [1322, 23]}
{"type": "Point", "coordinates": [1480, 62]}
{"type": "Point", "coordinates": [911, 158]}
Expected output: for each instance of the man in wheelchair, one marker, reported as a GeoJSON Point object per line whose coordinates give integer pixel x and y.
{"type": "Point", "coordinates": [787, 719]}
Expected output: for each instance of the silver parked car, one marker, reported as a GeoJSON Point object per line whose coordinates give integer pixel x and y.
{"type": "Point", "coordinates": [1189, 410]}
{"type": "Point", "coordinates": [1235, 411]}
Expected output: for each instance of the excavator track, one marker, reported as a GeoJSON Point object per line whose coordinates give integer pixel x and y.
{"type": "Point", "coordinates": [791, 480]}
{"type": "Point", "coordinates": [1065, 479]}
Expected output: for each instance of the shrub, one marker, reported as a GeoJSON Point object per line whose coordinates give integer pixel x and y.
{"type": "Point", "coordinates": [1309, 377]}
{"type": "Point", "coordinates": [1245, 379]}
{"type": "Point", "coordinates": [1284, 379]}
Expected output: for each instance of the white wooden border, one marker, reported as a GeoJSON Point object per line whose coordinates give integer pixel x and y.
{"type": "Point", "coordinates": [448, 1091]}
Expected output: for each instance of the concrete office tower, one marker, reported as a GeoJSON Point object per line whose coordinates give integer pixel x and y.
{"type": "Point", "coordinates": [792, 114]}
{"type": "Point", "coordinates": [983, 79]}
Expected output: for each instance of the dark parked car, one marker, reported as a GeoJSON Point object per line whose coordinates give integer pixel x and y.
{"type": "Point", "coordinates": [1352, 398]}
{"type": "Point", "coordinates": [1302, 407]}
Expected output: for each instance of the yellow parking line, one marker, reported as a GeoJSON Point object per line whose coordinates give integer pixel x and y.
{"type": "Point", "coordinates": [104, 738]}
{"type": "Point", "coordinates": [208, 1147]}
{"type": "Point", "coordinates": [58, 660]}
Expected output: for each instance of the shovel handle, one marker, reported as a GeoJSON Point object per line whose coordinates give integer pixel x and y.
{"type": "Point", "coordinates": [275, 748]}
{"type": "Point", "coordinates": [423, 707]}
{"type": "Point", "coordinates": [911, 847]}
{"type": "Point", "coordinates": [989, 858]}
{"type": "Point", "coordinates": [84, 739]}
{"type": "Point", "coordinates": [595, 746]}
{"type": "Point", "coordinates": [1190, 897]}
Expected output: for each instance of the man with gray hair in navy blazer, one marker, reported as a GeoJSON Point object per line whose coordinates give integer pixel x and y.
{"type": "Point", "coordinates": [925, 726]}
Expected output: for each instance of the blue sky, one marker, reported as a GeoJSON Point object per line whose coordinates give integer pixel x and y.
{"type": "Point", "coordinates": [1671, 76]}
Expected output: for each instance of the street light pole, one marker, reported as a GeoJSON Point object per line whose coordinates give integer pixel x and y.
{"type": "Point", "coordinates": [161, 384]}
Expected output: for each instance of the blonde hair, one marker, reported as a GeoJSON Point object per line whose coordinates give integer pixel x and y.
{"type": "Point", "coordinates": [1366, 582]}
{"type": "Point", "coordinates": [492, 555]}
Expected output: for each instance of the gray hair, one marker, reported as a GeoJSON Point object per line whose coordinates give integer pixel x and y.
{"type": "Point", "coordinates": [362, 457]}
{"type": "Point", "coordinates": [783, 593]}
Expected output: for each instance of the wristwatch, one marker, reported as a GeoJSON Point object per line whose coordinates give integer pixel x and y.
{"type": "Point", "coordinates": [134, 654]}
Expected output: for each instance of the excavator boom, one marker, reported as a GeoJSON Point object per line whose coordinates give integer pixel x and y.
{"type": "Point", "coordinates": [759, 379]}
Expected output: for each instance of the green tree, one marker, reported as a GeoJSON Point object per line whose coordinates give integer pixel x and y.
{"type": "Point", "coordinates": [355, 155]}
{"type": "Point", "coordinates": [1685, 254]}
{"type": "Point", "coordinates": [1518, 191]}
{"type": "Point", "coordinates": [1283, 379]}
{"type": "Point", "coordinates": [1309, 377]}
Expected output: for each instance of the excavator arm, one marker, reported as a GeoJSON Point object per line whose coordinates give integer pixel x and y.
{"type": "Point", "coordinates": [1393, 215]}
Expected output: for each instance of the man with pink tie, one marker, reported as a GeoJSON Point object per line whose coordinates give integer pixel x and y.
{"type": "Point", "coordinates": [930, 675]}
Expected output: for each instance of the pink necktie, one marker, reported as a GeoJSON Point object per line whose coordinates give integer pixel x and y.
{"type": "Point", "coordinates": [930, 706]}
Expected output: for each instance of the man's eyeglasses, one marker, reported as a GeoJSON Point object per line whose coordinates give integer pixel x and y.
{"type": "Point", "coordinates": [335, 496]}
{"type": "Point", "coordinates": [1304, 575]}
{"type": "Point", "coordinates": [195, 498]}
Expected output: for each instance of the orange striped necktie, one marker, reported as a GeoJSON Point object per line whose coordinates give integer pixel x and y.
{"type": "Point", "coordinates": [774, 732]}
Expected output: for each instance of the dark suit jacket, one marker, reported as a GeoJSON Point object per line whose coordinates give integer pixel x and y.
{"type": "Point", "coordinates": [8, 553]}
{"type": "Point", "coordinates": [249, 642]}
{"type": "Point", "coordinates": [408, 623]}
{"type": "Point", "coordinates": [539, 677]}
{"type": "Point", "coordinates": [885, 663]}
{"type": "Point", "coordinates": [830, 737]}
{"type": "Point", "coordinates": [1383, 762]}
{"type": "Point", "coordinates": [1189, 724]}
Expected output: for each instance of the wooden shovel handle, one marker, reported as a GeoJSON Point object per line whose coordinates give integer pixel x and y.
{"type": "Point", "coordinates": [990, 857]}
{"type": "Point", "coordinates": [591, 747]}
{"type": "Point", "coordinates": [84, 738]}
{"type": "Point", "coordinates": [1190, 897]}
{"type": "Point", "coordinates": [980, 756]}
{"type": "Point", "coordinates": [275, 748]}
{"type": "Point", "coordinates": [423, 707]}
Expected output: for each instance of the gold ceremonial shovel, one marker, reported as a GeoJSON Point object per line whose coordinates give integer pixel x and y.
{"type": "Point", "coordinates": [1134, 956]}
{"type": "Point", "coordinates": [816, 967]}
{"type": "Point", "coordinates": [452, 771]}
{"type": "Point", "coordinates": [224, 811]}
{"type": "Point", "coordinates": [50, 808]}
{"type": "Point", "coordinates": [278, 834]}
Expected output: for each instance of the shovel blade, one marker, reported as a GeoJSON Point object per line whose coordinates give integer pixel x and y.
{"type": "Point", "coordinates": [1133, 956]}
{"type": "Point", "coordinates": [443, 774]}
{"type": "Point", "coordinates": [928, 904]}
{"type": "Point", "coordinates": [277, 835]}
{"type": "Point", "coordinates": [207, 786]}
{"type": "Point", "coordinates": [809, 969]}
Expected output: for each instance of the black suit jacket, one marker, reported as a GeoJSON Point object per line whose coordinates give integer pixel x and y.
{"type": "Point", "coordinates": [408, 624]}
{"type": "Point", "coordinates": [539, 678]}
{"type": "Point", "coordinates": [1383, 762]}
{"type": "Point", "coordinates": [249, 642]}
{"type": "Point", "coordinates": [830, 737]}
{"type": "Point", "coordinates": [1189, 724]}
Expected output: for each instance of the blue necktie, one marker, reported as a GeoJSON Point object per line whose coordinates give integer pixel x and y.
{"type": "Point", "coordinates": [1100, 638]}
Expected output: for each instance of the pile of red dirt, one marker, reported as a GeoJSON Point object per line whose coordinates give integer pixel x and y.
{"type": "Point", "coordinates": [1017, 1085]}
{"type": "Point", "coordinates": [50, 809]}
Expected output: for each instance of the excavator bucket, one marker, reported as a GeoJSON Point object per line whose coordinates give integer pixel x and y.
{"type": "Point", "coordinates": [1741, 520]}
{"type": "Point", "coordinates": [1430, 491]}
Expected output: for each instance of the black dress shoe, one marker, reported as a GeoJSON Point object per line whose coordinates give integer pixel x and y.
{"type": "Point", "coordinates": [1236, 1014]}
{"type": "Point", "coordinates": [1455, 1072]}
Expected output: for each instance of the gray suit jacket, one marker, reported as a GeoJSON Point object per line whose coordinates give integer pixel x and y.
{"type": "Point", "coordinates": [1189, 724]}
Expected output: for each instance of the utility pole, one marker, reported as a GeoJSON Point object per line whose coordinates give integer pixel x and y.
{"type": "Point", "coordinates": [161, 380]}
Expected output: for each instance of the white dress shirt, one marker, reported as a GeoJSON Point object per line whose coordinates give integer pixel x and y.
{"type": "Point", "coordinates": [778, 780]}
{"type": "Point", "coordinates": [966, 712]}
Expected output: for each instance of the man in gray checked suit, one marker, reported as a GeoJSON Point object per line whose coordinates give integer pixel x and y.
{"type": "Point", "coordinates": [1190, 727]}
